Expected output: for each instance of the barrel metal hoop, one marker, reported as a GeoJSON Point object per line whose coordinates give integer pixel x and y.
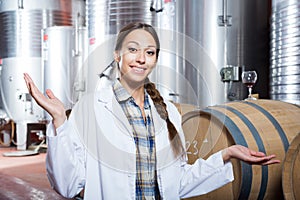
{"type": "Point", "coordinates": [279, 129]}
{"type": "Point", "coordinates": [260, 144]}
{"type": "Point", "coordinates": [238, 139]}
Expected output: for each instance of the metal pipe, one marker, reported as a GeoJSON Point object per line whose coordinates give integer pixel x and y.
{"type": "Point", "coordinates": [20, 4]}
{"type": "Point", "coordinates": [76, 53]}
{"type": "Point", "coordinates": [224, 19]}
{"type": "Point", "coordinates": [225, 11]}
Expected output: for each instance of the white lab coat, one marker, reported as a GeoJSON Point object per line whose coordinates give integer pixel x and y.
{"type": "Point", "coordinates": [95, 150]}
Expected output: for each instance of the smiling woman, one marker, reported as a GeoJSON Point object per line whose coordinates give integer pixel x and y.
{"type": "Point", "coordinates": [137, 58]}
{"type": "Point", "coordinates": [124, 141]}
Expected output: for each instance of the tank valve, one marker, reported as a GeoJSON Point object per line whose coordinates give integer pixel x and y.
{"type": "Point", "coordinates": [156, 6]}
{"type": "Point", "coordinates": [20, 4]}
{"type": "Point", "coordinates": [230, 73]}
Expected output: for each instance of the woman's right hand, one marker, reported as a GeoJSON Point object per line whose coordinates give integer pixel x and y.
{"type": "Point", "coordinates": [50, 103]}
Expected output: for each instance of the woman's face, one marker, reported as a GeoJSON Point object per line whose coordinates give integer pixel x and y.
{"type": "Point", "coordinates": [137, 57]}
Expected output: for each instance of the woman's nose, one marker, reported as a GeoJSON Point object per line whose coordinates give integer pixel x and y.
{"type": "Point", "coordinates": [140, 57]}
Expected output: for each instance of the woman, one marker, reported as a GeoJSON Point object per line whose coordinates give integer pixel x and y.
{"type": "Point", "coordinates": [124, 141]}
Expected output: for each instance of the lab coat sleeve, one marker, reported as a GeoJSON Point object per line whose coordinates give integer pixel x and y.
{"type": "Point", "coordinates": [65, 160]}
{"type": "Point", "coordinates": [205, 176]}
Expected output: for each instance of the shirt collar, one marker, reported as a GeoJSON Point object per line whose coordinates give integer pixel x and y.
{"type": "Point", "coordinates": [122, 94]}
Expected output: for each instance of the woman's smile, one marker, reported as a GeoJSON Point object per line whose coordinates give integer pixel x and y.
{"type": "Point", "coordinates": [138, 69]}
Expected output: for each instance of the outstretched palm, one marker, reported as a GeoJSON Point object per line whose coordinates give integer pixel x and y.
{"type": "Point", "coordinates": [248, 155]}
{"type": "Point", "coordinates": [49, 103]}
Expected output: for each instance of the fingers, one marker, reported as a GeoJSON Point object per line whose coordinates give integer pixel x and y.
{"type": "Point", "coordinates": [257, 153]}
{"type": "Point", "coordinates": [50, 94]}
{"type": "Point", "coordinates": [30, 84]}
{"type": "Point", "coordinates": [27, 80]}
{"type": "Point", "coordinates": [34, 91]}
{"type": "Point", "coordinates": [26, 76]}
{"type": "Point", "coordinates": [270, 162]}
{"type": "Point", "coordinates": [265, 160]}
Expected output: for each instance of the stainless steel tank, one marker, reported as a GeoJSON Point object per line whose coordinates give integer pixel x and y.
{"type": "Point", "coordinates": [209, 43]}
{"type": "Point", "coordinates": [215, 41]}
{"type": "Point", "coordinates": [285, 46]}
{"type": "Point", "coordinates": [21, 23]}
{"type": "Point", "coordinates": [168, 74]}
{"type": "Point", "coordinates": [64, 50]}
{"type": "Point", "coordinates": [104, 20]}
{"type": "Point", "coordinates": [171, 76]}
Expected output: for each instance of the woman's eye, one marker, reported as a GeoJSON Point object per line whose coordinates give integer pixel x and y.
{"type": "Point", "coordinates": [151, 53]}
{"type": "Point", "coordinates": [131, 49]}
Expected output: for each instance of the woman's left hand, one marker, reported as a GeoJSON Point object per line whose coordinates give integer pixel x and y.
{"type": "Point", "coordinates": [248, 155]}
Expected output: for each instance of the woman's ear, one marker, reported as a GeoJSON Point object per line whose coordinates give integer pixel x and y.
{"type": "Point", "coordinates": [117, 56]}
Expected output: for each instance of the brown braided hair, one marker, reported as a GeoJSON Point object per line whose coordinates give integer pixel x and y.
{"type": "Point", "coordinates": [161, 108]}
{"type": "Point", "coordinates": [157, 99]}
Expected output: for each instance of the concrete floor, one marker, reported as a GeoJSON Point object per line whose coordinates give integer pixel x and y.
{"type": "Point", "coordinates": [24, 178]}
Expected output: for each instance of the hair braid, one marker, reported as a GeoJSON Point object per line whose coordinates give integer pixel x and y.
{"type": "Point", "coordinates": [161, 108]}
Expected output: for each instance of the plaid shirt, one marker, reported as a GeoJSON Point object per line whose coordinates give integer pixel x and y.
{"type": "Point", "coordinates": [143, 133]}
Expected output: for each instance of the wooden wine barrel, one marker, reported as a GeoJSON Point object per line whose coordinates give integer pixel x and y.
{"type": "Point", "coordinates": [265, 125]}
{"type": "Point", "coordinates": [184, 108]}
{"type": "Point", "coordinates": [291, 170]}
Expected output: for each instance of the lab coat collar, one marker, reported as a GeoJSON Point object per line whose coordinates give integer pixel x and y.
{"type": "Point", "coordinates": [107, 97]}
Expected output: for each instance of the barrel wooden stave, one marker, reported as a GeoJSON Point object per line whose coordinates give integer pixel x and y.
{"type": "Point", "coordinates": [212, 135]}
{"type": "Point", "coordinates": [290, 170]}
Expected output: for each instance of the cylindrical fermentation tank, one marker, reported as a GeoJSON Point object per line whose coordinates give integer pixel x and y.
{"type": "Point", "coordinates": [167, 75]}
{"type": "Point", "coordinates": [216, 41]}
{"type": "Point", "coordinates": [285, 55]}
{"type": "Point", "coordinates": [64, 50]}
{"type": "Point", "coordinates": [21, 23]}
